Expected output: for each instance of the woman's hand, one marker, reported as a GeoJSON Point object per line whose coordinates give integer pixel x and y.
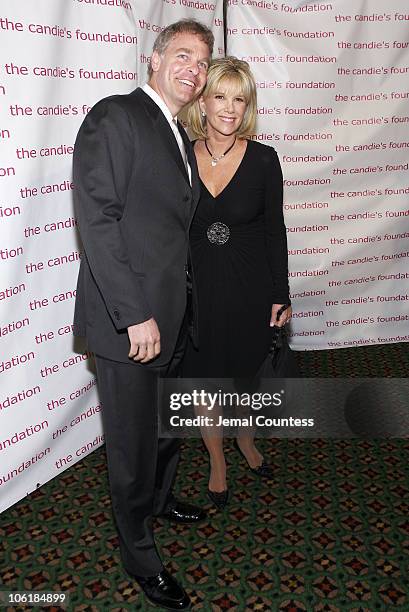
{"type": "Point", "coordinates": [284, 317]}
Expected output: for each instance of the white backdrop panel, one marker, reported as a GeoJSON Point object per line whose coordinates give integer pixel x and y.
{"type": "Point", "coordinates": [333, 93]}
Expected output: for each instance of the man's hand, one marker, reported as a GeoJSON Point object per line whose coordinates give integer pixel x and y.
{"type": "Point", "coordinates": [145, 341]}
{"type": "Point", "coordinates": [284, 317]}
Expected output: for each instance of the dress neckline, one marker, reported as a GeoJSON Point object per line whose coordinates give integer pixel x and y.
{"type": "Point", "coordinates": [232, 178]}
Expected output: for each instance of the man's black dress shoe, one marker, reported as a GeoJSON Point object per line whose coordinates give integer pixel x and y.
{"type": "Point", "coordinates": [163, 590]}
{"type": "Point", "coordinates": [180, 512]}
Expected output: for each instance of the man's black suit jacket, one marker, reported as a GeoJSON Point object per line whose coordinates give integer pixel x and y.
{"type": "Point", "coordinates": [134, 206]}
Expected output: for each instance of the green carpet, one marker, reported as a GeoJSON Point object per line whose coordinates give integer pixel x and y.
{"type": "Point", "coordinates": [381, 360]}
{"type": "Point", "coordinates": [330, 533]}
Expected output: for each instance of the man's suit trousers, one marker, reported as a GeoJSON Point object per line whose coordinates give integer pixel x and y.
{"type": "Point", "coordinates": [141, 467]}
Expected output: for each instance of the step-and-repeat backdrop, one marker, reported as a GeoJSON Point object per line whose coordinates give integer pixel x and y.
{"type": "Point", "coordinates": [58, 58]}
{"type": "Point", "coordinates": [333, 100]}
{"type": "Point", "coordinates": [333, 97]}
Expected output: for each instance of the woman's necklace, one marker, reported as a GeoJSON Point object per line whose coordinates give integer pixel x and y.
{"type": "Point", "coordinates": [217, 159]}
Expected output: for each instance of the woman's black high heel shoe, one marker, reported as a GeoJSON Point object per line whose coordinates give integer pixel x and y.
{"type": "Point", "coordinates": [219, 498]}
{"type": "Point", "coordinates": [263, 470]}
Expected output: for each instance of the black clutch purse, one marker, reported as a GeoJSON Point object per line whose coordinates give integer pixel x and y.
{"type": "Point", "coordinates": [281, 361]}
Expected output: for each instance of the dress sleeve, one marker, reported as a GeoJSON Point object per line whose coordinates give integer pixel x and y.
{"type": "Point", "coordinates": [103, 157]}
{"type": "Point", "coordinates": [275, 231]}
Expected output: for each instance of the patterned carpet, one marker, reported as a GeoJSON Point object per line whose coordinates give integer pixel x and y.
{"type": "Point", "coordinates": [330, 533]}
{"type": "Point", "coordinates": [382, 360]}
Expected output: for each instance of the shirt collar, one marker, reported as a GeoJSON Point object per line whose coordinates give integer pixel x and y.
{"type": "Point", "coordinates": [158, 100]}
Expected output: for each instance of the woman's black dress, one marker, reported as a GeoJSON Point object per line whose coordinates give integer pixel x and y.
{"type": "Point", "coordinates": [239, 259]}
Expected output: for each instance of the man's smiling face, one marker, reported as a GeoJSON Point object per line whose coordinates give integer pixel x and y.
{"type": "Point", "coordinates": [179, 74]}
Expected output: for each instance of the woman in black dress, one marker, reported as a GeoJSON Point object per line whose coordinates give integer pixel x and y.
{"type": "Point", "coordinates": [238, 247]}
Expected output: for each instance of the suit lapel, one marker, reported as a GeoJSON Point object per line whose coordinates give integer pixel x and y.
{"type": "Point", "coordinates": [193, 165]}
{"type": "Point", "coordinates": [170, 141]}
{"type": "Point", "coordinates": [164, 130]}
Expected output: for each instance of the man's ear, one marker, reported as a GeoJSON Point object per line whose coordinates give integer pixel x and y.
{"type": "Point", "coordinates": [155, 61]}
{"type": "Point", "coordinates": [202, 105]}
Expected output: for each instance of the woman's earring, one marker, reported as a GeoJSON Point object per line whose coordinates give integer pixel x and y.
{"type": "Point", "coordinates": [203, 113]}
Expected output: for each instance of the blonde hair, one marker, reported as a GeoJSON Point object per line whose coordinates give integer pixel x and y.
{"type": "Point", "coordinates": [235, 74]}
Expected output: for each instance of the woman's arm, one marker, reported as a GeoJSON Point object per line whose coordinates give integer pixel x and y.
{"type": "Point", "coordinates": [275, 231]}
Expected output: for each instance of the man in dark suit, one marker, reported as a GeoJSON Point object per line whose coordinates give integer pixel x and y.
{"type": "Point", "coordinates": [136, 189]}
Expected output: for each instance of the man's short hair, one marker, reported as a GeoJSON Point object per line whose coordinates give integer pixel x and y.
{"type": "Point", "coordinates": [183, 26]}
